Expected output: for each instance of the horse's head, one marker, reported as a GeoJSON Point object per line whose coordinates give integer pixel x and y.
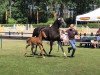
{"type": "Point", "coordinates": [59, 22]}
{"type": "Point", "coordinates": [43, 34]}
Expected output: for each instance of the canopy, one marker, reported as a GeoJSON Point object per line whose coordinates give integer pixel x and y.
{"type": "Point", "coordinates": [90, 16]}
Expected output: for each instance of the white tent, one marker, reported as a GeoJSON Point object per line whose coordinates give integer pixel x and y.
{"type": "Point", "coordinates": [90, 16]}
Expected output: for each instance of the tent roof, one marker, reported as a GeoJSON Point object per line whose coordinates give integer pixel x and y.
{"type": "Point", "coordinates": [90, 16]}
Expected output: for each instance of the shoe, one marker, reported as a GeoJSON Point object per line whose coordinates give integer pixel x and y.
{"type": "Point", "coordinates": [70, 56]}
{"type": "Point", "coordinates": [69, 50]}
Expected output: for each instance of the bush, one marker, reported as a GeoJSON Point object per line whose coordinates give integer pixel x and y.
{"type": "Point", "coordinates": [11, 21]}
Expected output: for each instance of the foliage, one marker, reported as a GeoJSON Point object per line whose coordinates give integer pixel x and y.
{"type": "Point", "coordinates": [19, 11]}
{"type": "Point", "coordinates": [22, 10]}
{"type": "Point", "coordinates": [3, 8]}
{"type": "Point", "coordinates": [11, 21]}
{"type": "Point", "coordinates": [84, 6]}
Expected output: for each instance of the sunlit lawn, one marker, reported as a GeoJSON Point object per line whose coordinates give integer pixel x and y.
{"type": "Point", "coordinates": [13, 62]}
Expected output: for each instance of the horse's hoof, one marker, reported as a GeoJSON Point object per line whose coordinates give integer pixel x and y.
{"type": "Point", "coordinates": [44, 57]}
{"type": "Point", "coordinates": [49, 53]}
{"type": "Point", "coordinates": [57, 51]}
{"type": "Point", "coordinates": [32, 54]}
{"type": "Point", "coordinates": [64, 54]}
{"type": "Point", "coordinates": [25, 54]}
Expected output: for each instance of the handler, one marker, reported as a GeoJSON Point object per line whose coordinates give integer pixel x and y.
{"type": "Point", "coordinates": [71, 35]}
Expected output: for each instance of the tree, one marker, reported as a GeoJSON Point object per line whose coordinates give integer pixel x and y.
{"type": "Point", "coordinates": [23, 10]}
{"type": "Point", "coordinates": [19, 11]}
{"type": "Point", "coordinates": [3, 9]}
{"type": "Point", "coordinates": [84, 6]}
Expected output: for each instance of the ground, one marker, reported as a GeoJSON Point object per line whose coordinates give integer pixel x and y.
{"type": "Point", "coordinates": [13, 62]}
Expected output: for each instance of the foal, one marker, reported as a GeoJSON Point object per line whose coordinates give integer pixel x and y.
{"type": "Point", "coordinates": [36, 41]}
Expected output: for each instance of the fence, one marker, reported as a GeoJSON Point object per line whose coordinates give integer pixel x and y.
{"type": "Point", "coordinates": [1, 41]}
{"type": "Point", "coordinates": [15, 35]}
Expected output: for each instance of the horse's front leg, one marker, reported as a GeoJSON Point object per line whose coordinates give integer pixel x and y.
{"type": "Point", "coordinates": [59, 43]}
{"type": "Point", "coordinates": [41, 48]}
{"type": "Point", "coordinates": [44, 50]}
{"type": "Point", "coordinates": [51, 43]}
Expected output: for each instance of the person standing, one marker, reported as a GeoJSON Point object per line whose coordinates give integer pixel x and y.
{"type": "Point", "coordinates": [98, 36]}
{"type": "Point", "coordinates": [98, 32]}
{"type": "Point", "coordinates": [64, 37]}
{"type": "Point", "coordinates": [71, 35]}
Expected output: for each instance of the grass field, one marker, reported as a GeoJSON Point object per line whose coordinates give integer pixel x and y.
{"type": "Point", "coordinates": [12, 61]}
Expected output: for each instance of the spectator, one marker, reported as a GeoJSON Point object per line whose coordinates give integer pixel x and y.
{"type": "Point", "coordinates": [93, 42]}
{"type": "Point", "coordinates": [64, 37]}
{"type": "Point", "coordinates": [98, 36]}
{"type": "Point", "coordinates": [98, 32]}
{"type": "Point", "coordinates": [91, 34]}
{"type": "Point", "coordinates": [84, 34]}
{"type": "Point", "coordinates": [84, 39]}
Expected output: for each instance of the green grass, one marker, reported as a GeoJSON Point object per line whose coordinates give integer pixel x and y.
{"type": "Point", "coordinates": [13, 62]}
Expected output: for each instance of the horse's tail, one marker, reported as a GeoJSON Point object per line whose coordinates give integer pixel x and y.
{"type": "Point", "coordinates": [27, 41]}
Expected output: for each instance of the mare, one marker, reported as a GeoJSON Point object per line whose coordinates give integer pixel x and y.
{"type": "Point", "coordinates": [36, 41]}
{"type": "Point", "coordinates": [52, 33]}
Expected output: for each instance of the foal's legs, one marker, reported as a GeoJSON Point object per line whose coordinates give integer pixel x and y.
{"type": "Point", "coordinates": [59, 42]}
{"type": "Point", "coordinates": [44, 50]}
{"type": "Point", "coordinates": [27, 46]}
{"type": "Point", "coordinates": [35, 50]}
{"type": "Point", "coordinates": [26, 49]}
{"type": "Point", "coordinates": [32, 46]}
{"type": "Point", "coordinates": [41, 48]}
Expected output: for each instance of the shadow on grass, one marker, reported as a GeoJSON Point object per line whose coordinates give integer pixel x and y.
{"type": "Point", "coordinates": [83, 47]}
{"type": "Point", "coordinates": [52, 56]}
{"type": "Point", "coordinates": [39, 56]}
{"type": "Point", "coordinates": [71, 56]}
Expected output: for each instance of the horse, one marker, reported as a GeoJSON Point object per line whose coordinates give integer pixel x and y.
{"type": "Point", "coordinates": [36, 41]}
{"type": "Point", "coordinates": [52, 33]}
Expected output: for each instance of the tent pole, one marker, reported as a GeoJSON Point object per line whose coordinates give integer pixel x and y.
{"type": "Point", "coordinates": [98, 23]}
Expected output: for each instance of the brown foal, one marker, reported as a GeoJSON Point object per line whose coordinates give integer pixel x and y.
{"type": "Point", "coordinates": [36, 41]}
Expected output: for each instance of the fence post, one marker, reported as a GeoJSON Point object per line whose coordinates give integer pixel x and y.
{"type": "Point", "coordinates": [9, 34]}
{"type": "Point", "coordinates": [22, 34]}
{"type": "Point", "coordinates": [1, 41]}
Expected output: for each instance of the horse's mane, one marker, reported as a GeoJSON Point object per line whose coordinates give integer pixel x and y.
{"type": "Point", "coordinates": [56, 24]}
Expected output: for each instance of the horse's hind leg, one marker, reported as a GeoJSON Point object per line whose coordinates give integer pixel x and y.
{"type": "Point", "coordinates": [35, 50]}
{"type": "Point", "coordinates": [32, 46]}
{"type": "Point", "coordinates": [45, 51]}
{"type": "Point", "coordinates": [51, 43]}
{"type": "Point", "coordinates": [58, 46]}
{"type": "Point", "coordinates": [59, 42]}
{"type": "Point", "coordinates": [26, 49]}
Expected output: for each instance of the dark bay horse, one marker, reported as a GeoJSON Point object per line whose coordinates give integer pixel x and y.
{"type": "Point", "coordinates": [52, 33]}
